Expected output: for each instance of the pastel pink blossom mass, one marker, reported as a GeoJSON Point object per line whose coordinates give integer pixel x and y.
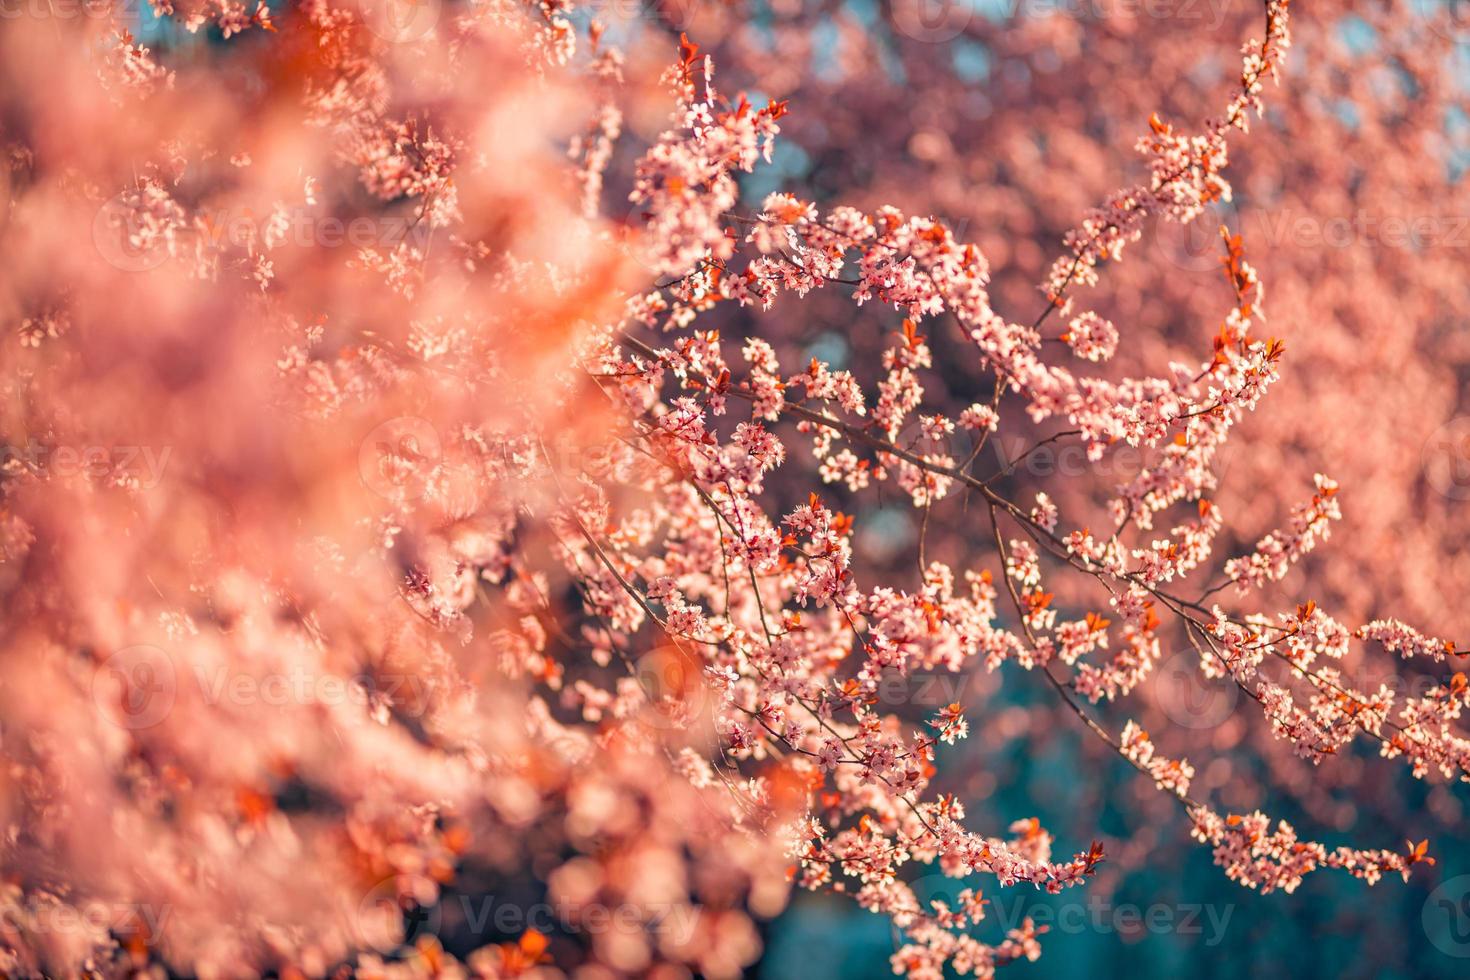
{"type": "Point", "coordinates": [507, 488]}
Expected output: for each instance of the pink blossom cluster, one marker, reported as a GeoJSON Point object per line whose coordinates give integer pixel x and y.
{"type": "Point", "coordinates": [555, 552]}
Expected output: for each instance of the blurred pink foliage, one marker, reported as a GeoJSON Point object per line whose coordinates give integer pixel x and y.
{"type": "Point", "coordinates": [422, 470]}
